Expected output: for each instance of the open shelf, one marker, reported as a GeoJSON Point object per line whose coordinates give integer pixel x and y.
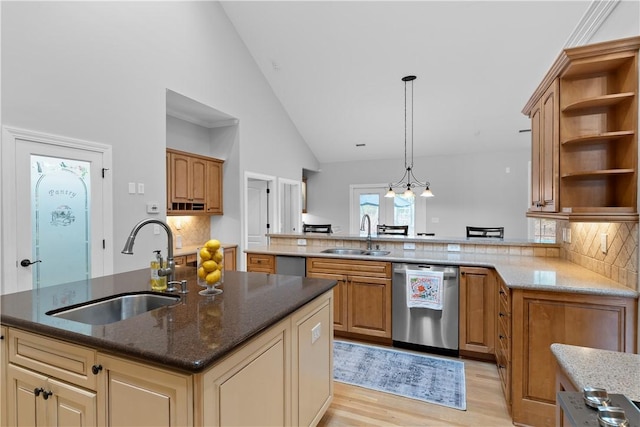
{"type": "Point", "coordinates": [599, 137]}
{"type": "Point", "coordinates": [598, 102]}
{"type": "Point", "coordinates": [591, 174]}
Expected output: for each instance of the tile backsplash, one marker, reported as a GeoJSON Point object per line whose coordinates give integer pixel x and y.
{"type": "Point", "coordinates": [619, 263]}
{"type": "Point", "coordinates": [195, 230]}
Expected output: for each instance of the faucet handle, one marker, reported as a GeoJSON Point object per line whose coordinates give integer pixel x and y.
{"type": "Point", "coordinates": [183, 287]}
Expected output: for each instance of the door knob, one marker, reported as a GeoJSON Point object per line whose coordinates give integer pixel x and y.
{"type": "Point", "coordinates": [26, 263]}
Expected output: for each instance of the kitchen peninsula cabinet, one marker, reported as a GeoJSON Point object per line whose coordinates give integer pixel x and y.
{"type": "Point", "coordinates": [540, 319]}
{"type": "Point", "coordinates": [194, 184]}
{"type": "Point", "coordinates": [591, 94]}
{"type": "Point", "coordinates": [477, 312]}
{"type": "Point", "coordinates": [362, 298]}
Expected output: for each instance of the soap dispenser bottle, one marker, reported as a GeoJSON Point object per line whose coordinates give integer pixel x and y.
{"type": "Point", "coordinates": [158, 283]}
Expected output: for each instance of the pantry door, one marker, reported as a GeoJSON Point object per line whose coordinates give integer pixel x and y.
{"type": "Point", "coordinates": [60, 216]}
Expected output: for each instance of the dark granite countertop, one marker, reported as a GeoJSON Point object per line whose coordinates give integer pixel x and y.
{"type": "Point", "coordinates": [189, 336]}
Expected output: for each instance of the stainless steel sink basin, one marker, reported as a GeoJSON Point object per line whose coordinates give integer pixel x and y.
{"type": "Point", "coordinates": [377, 253]}
{"type": "Point", "coordinates": [344, 251]}
{"type": "Point", "coordinates": [114, 308]}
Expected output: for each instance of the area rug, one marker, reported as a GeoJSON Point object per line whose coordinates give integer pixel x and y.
{"type": "Point", "coordinates": [430, 379]}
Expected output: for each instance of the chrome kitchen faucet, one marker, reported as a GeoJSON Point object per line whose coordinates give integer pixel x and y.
{"type": "Point", "coordinates": [171, 265]}
{"type": "Point", "coordinates": [368, 218]}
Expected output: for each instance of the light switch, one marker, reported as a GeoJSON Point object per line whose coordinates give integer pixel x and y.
{"type": "Point", "coordinates": [132, 188]}
{"type": "Point", "coordinates": [140, 188]}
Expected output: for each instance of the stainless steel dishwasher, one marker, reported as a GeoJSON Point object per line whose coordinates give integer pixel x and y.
{"type": "Point", "coordinates": [425, 329]}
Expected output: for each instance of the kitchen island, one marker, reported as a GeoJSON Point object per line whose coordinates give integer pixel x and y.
{"type": "Point", "coordinates": [266, 338]}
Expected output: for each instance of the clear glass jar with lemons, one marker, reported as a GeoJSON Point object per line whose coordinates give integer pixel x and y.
{"type": "Point", "coordinates": [210, 267]}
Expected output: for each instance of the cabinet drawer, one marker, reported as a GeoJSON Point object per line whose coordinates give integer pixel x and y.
{"type": "Point", "coordinates": [350, 267]}
{"type": "Point", "coordinates": [67, 362]}
{"type": "Point", "coordinates": [261, 263]}
{"type": "Point", "coordinates": [191, 258]}
{"type": "Point", "coordinates": [180, 260]}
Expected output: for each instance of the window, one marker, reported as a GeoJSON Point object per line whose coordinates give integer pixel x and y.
{"type": "Point", "coordinates": [369, 199]}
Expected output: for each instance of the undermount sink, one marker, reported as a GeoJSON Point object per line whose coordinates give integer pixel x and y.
{"type": "Point", "coordinates": [114, 308]}
{"type": "Point", "coordinates": [344, 251]}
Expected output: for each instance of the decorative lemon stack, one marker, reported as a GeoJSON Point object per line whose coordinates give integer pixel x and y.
{"type": "Point", "coordinates": [211, 264]}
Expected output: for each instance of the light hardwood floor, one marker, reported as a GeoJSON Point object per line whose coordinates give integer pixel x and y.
{"type": "Point", "coordinates": [356, 406]}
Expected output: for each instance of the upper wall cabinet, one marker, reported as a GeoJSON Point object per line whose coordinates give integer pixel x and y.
{"type": "Point", "coordinates": [194, 184]}
{"type": "Point", "coordinates": [584, 118]}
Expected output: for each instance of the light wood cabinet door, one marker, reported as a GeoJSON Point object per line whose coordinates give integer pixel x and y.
{"type": "Point", "coordinates": [540, 319]}
{"type": "Point", "coordinates": [340, 308]}
{"type": "Point", "coordinates": [214, 187]}
{"type": "Point", "coordinates": [230, 258]}
{"type": "Point", "coordinates": [545, 152]}
{"type": "Point", "coordinates": [133, 394]}
{"type": "Point", "coordinates": [369, 306]}
{"type": "Point", "coordinates": [194, 184]}
{"type": "Point", "coordinates": [37, 400]}
{"type": "Point", "coordinates": [362, 298]}
{"type": "Point", "coordinates": [477, 310]}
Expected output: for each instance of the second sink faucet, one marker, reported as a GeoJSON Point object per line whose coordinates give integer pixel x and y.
{"type": "Point", "coordinates": [171, 265]}
{"type": "Point", "coordinates": [368, 220]}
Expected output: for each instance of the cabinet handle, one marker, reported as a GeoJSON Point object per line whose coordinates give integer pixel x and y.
{"type": "Point", "coordinates": [96, 369]}
{"type": "Point", "coordinates": [501, 367]}
{"type": "Point", "coordinates": [501, 314]}
{"type": "Point", "coordinates": [37, 391]}
{"type": "Point", "coordinates": [502, 292]}
{"type": "Point", "coordinates": [46, 394]}
{"type": "Point", "coordinates": [501, 336]}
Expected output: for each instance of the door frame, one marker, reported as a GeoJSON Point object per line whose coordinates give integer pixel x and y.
{"type": "Point", "coordinates": [297, 205]}
{"type": "Point", "coordinates": [8, 220]}
{"type": "Point", "coordinates": [271, 180]}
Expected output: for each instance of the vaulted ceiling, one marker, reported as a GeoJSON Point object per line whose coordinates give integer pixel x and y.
{"type": "Point", "coordinates": [336, 67]}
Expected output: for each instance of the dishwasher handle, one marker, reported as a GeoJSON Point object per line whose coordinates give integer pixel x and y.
{"type": "Point", "coordinates": [423, 267]}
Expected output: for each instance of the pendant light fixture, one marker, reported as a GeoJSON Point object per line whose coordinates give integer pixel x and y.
{"type": "Point", "coordinates": [411, 180]}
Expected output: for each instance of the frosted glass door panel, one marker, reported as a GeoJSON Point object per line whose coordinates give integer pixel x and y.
{"type": "Point", "coordinates": [60, 218]}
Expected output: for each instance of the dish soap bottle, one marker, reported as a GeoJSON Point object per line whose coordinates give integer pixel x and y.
{"type": "Point", "coordinates": [158, 283]}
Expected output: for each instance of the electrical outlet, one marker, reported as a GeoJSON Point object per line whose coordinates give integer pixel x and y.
{"type": "Point", "coordinates": [568, 236]}
{"type": "Point", "coordinates": [316, 332]}
{"type": "Point", "coordinates": [409, 246]}
{"type": "Point", "coordinates": [156, 229]}
{"type": "Point", "coordinates": [453, 247]}
{"type": "Point", "coordinates": [302, 242]}
{"type": "Point", "coordinates": [603, 243]}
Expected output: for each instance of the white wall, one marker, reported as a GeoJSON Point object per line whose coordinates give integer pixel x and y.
{"type": "Point", "coordinates": [624, 21]}
{"type": "Point", "coordinates": [99, 70]}
{"type": "Point", "coordinates": [470, 189]}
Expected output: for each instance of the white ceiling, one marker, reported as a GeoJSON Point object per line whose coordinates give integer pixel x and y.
{"type": "Point", "coordinates": [336, 67]}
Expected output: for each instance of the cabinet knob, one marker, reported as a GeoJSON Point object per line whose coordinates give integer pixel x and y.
{"type": "Point", "coordinates": [502, 292]}
{"type": "Point", "coordinates": [46, 394]}
{"type": "Point", "coordinates": [501, 314]}
{"type": "Point", "coordinates": [96, 369]}
{"type": "Point", "coordinates": [37, 391]}
{"type": "Point", "coordinates": [501, 336]}
{"type": "Point", "coordinates": [501, 367]}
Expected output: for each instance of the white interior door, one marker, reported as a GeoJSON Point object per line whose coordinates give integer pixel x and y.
{"type": "Point", "coordinates": [257, 212]}
{"type": "Point", "coordinates": [60, 219]}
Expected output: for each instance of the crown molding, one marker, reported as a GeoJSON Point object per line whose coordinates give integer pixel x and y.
{"type": "Point", "coordinates": [597, 12]}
